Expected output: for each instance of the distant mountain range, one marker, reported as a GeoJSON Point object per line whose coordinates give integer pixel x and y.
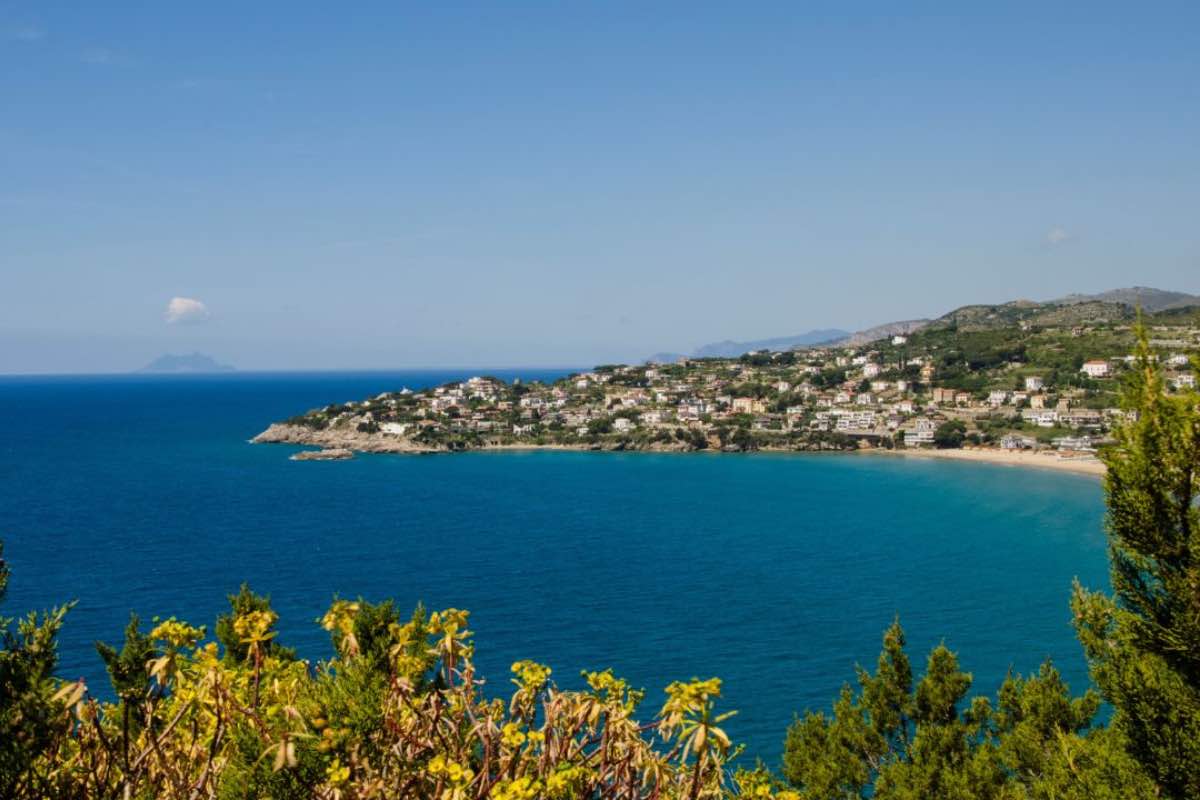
{"type": "Point", "coordinates": [1074, 308]}
{"type": "Point", "coordinates": [732, 349]}
{"type": "Point", "coordinates": [193, 363]}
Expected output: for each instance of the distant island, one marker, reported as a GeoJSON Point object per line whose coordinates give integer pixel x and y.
{"type": "Point", "coordinates": [189, 364]}
{"type": "Point", "coordinates": [1009, 381]}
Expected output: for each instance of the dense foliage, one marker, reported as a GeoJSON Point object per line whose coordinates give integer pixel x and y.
{"type": "Point", "coordinates": [398, 711]}
{"type": "Point", "coordinates": [900, 740]}
{"type": "Point", "coordinates": [1144, 644]}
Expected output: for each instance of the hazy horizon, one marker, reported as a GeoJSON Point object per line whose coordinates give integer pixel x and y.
{"type": "Point", "coordinates": [404, 187]}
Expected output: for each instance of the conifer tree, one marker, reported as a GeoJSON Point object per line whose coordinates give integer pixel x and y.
{"type": "Point", "coordinates": [29, 700]}
{"type": "Point", "coordinates": [1143, 643]}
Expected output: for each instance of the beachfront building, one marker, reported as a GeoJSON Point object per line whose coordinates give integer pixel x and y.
{"type": "Point", "coordinates": [921, 433]}
{"type": "Point", "coordinates": [1080, 444]}
{"type": "Point", "coordinates": [1015, 441]}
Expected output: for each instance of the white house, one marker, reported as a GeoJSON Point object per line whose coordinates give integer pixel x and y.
{"type": "Point", "coordinates": [898, 339]}
{"type": "Point", "coordinates": [855, 420]}
{"type": "Point", "coordinates": [1078, 443]}
{"type": "Point", "coordinates": [870, 370]}
{"type": "Point", "coordinates": [1034, 383]}
{"type": "Point", "coordinates": [1015, 441]}
{"type": "Point", "coordinates": [922, 433]}
{"type": "Point", "coordinates": [1095, 369]}
{"type": "Point", "coordinates": [1045, 418]}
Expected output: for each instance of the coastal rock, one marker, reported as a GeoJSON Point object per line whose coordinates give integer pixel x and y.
{"type": "Point", "coordinates": [334, 454]}
{"type": "Point", "coordinates": [344, 438]}
{"type": "Point", "coordinates": [340, 439]}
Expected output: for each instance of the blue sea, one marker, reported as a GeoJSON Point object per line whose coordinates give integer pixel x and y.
{"type": "Point", "coordinates": [777, 573]}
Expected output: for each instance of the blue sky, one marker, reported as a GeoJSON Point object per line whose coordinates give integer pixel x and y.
{"type": "Point", "coordinates": [393, 184]}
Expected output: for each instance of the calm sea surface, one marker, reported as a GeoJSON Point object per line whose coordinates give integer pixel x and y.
{"type": "Point", "coordinates": [777, 573]}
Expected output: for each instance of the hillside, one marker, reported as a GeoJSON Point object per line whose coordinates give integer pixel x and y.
{"type": "Point", "coordinates": [884, 331]}
{"type": "Point", "coordinates": [1114, 305]}
{"type": "Point", "coordinates": [1022, 374]}
{"type": "Point", "coordinates": [1030, 314]}
{"type": "Point", "coordinates": [1145, 297]}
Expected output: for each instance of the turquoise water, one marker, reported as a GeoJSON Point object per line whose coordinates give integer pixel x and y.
{"type": "Point", "coordinates": [777, 573]}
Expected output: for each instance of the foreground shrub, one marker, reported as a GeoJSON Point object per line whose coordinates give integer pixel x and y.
{"type": "Point", "coordinates": [398, 712]}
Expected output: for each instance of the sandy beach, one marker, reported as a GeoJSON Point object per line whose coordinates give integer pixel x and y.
{"type": "Point", "coordinates": [1084, 465]}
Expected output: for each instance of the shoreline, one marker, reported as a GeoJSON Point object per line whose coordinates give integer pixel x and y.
{"type": "Point", "coordinates": [366, 443]}
{"type": "Point", "coordinates": [1080, 465]}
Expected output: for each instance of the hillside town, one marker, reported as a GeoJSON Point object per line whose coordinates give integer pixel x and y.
{"type": "Point", "coordinates": [1019, 387]}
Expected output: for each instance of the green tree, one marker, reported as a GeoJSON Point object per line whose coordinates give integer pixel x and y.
{"type": "Point", "coordinates": [129, 677]}
{"type": "Point", "coordinates": [30, 703]}
{"type": "Point", "coordinates": [894, 740]}
{"type": "Point", "coordinates": [1143, 643]}
{"type": "Point", "coordinates": [950, 434]}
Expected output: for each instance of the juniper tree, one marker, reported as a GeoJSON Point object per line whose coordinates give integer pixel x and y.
{"type": "Point", "coordinates": [129, 677]}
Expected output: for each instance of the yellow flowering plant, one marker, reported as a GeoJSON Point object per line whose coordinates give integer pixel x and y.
{"type": "Point", "coordinates": [416, 723]}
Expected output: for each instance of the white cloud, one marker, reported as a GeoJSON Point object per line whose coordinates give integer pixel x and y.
{"type": "Point", "coordinates": [1057, 235]}
{"type": "Point", "coordinates": [25, 33]}
{"type": "Point", "coordinates": [185, 310]}
{"type": "Point", "coordinates": [98, 55]}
